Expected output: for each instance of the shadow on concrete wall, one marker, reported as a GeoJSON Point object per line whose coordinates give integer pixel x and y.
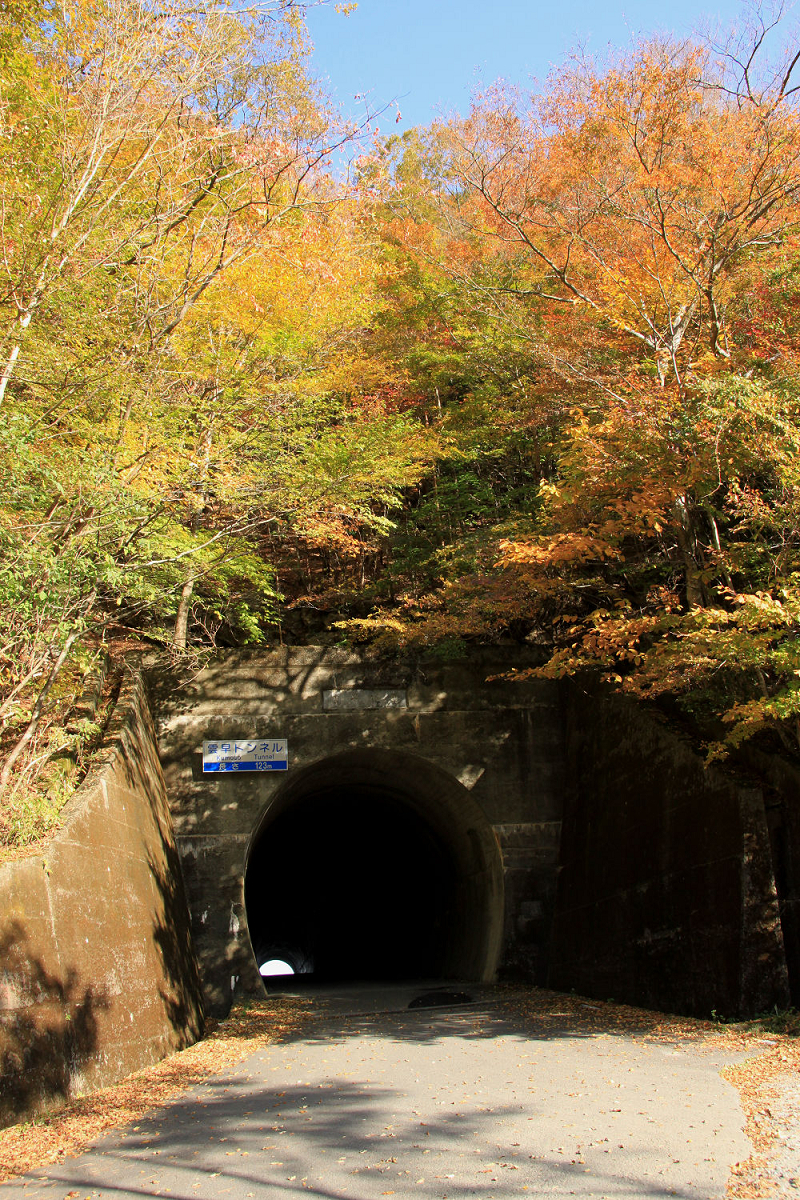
{"type": "Point", "coordinates": [666, 894]}
{"type": "Point", "coordinates": [97, 971]}
{"type": "Point", "coordinates": [48, 1030]}
{"type": "Point", "coordinates": [180, 992]}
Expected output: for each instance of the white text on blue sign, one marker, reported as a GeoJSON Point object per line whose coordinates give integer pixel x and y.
{"type": "Point", "coordinates": [241, 754]}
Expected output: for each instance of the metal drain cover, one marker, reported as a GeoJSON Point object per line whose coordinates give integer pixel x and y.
{"type": "Point", "coordinates": [440, 998]}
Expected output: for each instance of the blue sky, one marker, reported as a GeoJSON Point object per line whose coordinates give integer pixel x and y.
{"type": "Point", "coordinates": [428, 55]}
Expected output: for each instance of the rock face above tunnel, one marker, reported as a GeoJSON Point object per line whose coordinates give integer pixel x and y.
{"type": "Point", "coordinates": [585, 844]}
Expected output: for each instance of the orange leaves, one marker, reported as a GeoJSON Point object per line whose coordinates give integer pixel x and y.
{"type": "Point", "coordinates": [334, 531]}
{"type": "Point", "coordinates": [573, 549]}
{"type": "Point", "coordinates": [616, 263]}
{"type": "Point", "coordinates": [638, 192]}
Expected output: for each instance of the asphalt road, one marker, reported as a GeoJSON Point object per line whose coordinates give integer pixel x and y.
{"type": "Point", "coordinates": [429, 1102]}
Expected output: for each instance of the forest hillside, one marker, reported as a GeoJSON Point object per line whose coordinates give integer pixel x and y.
{"type": "Point", "coordinates": [528, 375]}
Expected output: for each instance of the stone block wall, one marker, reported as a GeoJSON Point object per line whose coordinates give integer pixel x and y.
{"type": "Point", "coordinates": [97, 971]}
{"type": "Point", "coordinates": [500, 740]}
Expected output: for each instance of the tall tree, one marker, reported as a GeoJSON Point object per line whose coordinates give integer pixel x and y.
{"type": "Point", "coordinates": [636, 226]}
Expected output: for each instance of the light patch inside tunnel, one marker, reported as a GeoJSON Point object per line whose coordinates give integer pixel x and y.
{"type": "Point", "coordinates": [275, 966]}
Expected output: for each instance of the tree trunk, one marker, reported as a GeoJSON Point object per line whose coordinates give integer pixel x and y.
{"type": "Point", "coordinates": [23, 321]}
{"type": "Point", "coordinates": [36, 715]}
{"type": "Point", "coordinates": [695, 589]}
{"type": "Point", "coordinates": [182, 618]}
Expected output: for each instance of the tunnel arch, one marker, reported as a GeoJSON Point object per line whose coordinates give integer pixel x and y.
{"type": "Point", "coordinates": [375, 864]}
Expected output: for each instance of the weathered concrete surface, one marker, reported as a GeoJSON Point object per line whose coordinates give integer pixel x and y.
{"type": "Point", "coordinates": [781, 785]}
{"type": "Point", "coordinates": [97, 973]}
{"type": "Point", "coordinates": [660, 888]}
{"type": "Point", "coordinates": [470, 1102]}
{"type": "Point", "coordinates": [667, 893]}
{"type": "Point", "coordinates": [499, 742]}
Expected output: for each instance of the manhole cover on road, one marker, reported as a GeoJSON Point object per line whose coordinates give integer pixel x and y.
{"type": "Point", "coordinates": [436, 999]}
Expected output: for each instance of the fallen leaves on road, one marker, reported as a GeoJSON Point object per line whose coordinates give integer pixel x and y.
{"type": "Point", "coordinates": [550, 1010]}
{"type": "Point", "coordinates": [758, 1081]}
{"type": "Point", "coordinates": [773, 1059]}
{"type": "Point", "coordinates": [36, 1143]}
{"type": "Point", "coordinates": [47, 1139]}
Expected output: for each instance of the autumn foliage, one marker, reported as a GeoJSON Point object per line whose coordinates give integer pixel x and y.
{"type": "Point", "coordinates": [529, 374]}
{"type": "Point", "coordinates": [631, 236]}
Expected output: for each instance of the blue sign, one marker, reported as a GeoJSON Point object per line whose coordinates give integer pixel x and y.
{"type": "Point", "coordinates": [262, 754]}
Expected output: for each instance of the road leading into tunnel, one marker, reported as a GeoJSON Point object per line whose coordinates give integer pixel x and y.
{"type": "Point", "coordinates": [376, 1099]}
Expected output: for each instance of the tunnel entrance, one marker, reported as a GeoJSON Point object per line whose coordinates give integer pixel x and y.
{"type": "Point", "coordinates": [353, 884]}
{"type": "Point", "coordinates": [375, 865]}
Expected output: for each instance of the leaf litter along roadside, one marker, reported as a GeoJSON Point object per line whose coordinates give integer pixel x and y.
{"type": "Point", "coordinates": [48, 1139]}
{"type": "Point", "coordinates": [773, 1062]}
{"type": "Point", "coordinates": [761, 1081]}
{"type": "Point", "coordinates": [251, 1026]}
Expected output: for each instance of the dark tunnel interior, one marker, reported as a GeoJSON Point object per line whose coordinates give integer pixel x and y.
{"type": "Point", "coordinates": [352, 884]}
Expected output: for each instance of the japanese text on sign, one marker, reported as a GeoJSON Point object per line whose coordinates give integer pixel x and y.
{"type": "Point", "coordinates": [262, 754]}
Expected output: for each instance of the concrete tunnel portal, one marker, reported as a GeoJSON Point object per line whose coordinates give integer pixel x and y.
{"type": "Point", "coordinates": [375, 865]}
{"type": "Point", "coordinates": [369, 858]}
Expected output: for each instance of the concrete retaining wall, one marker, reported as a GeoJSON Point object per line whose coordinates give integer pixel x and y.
{"type": "Point", "coordinates": [658, 888]}
{"type": "Point", "coordinates": [97, 971]}
{"type": "Point", "coordinates": [666, 894]}
{"type": "Point", "coordinates": [781, 785]}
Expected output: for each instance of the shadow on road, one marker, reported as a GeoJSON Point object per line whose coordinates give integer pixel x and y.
{"type": "Point", "coordinates": [285, 1143]}
{"type": "Point", "coordinates": [342, 1136]}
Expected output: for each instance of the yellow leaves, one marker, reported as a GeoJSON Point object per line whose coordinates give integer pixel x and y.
{"type": "Point", "coordinates": [333, 531]}
{"type": "Point", "coordinates": [549, 490]}
{"type": "Point", "coordinates": [555, 552]}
